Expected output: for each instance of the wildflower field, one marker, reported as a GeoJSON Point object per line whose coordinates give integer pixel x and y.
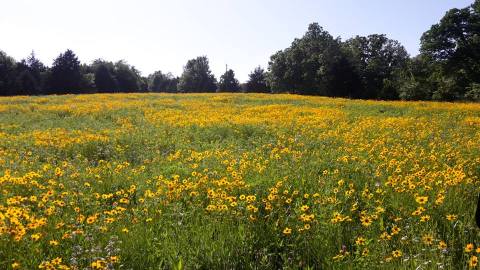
{"type": "Point", "coordinates": [237, 181]}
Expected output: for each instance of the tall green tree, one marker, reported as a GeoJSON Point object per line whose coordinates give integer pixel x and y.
{"type": "Point", "coordinates": [161, 82]}
{"type": "Point", "coordinates": [65, 76]}
{"type": "Point", "coordinates": [197, 77]}
{"type": "Point", "coordinates": [228, 82]}
{"type": "Point", "coordinates": [25, 83]}
{"type": "Point", "coordinates": [280, 77]}
{"type": "Point", "coordinates": [104, 76]}
{"type": "Point", "coordinates": [378, 61]}
{"type": "Point", "coordinates": [416, 79]}
{"type": "Point", "coordinates": [257, 81]}
{"type": "Point", "coordinates": [88, 79]}
{"type": "Point", "coordinates": [30, 76]}
{"type": "Point", "coordinates": [454, 45]}
{"type": "Point", "coordinates": [128, 77]}
{"type": "Point", "coordinates": [38, 73]}
{"type": "Point", "coordinates": [7, 74]}
{"type": "Point", "coordinates": [314, 65]}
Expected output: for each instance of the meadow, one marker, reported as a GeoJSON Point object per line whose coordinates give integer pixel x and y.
{"type": "Point", "coordinates": [237, 181]}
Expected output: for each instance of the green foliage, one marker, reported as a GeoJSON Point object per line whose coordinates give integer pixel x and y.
{"type": "Point", "coordinates": [377, 61]}
{"type": "Point", "coordinates": [473, 92]}
{"type": "Point", "coordinates": [454, 46]}
{"type": "Point", "coordinates": [7, 69]}
{"type": "Point", "coordinates": [30, 76]}
{"type": "Point", "coordinates": [337, 157]}
{"type": "Point", "coordinates": [312, 65]}
{"type": "Point", "coordinates": [197, 77]}
{"type": "Point", "coordinates": [128, 77]}
{"type": "Point", "coordinates": [415, 80]}
{"type": "Point", "coordinates": [257, 81]}
{"type": "Point", "coordinates": [160, 82]}
{"type": "Point", "coordinates": [27, 84]}
{"type": "Point", "coordinates": [228, 82]}
{"type": "Point", "coordinates": [66, 76]}
{"type": "Point", "coordinates": [105, 80]}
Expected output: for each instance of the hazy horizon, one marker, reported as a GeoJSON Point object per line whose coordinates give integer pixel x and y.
{"type": "Point", "coordinates": [161, 35]}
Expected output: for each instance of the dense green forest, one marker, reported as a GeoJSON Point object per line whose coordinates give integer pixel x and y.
{"type": "Point", "coordinates": [371, 67]}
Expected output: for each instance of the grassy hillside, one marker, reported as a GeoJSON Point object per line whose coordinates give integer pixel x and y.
{"type": "Point", "coordinates": [153, 181]}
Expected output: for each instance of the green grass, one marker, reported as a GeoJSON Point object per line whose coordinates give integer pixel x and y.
{"type": "Point", "coordinates": [174, 156]}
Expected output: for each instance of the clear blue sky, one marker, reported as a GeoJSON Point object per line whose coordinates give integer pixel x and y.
{"type": "Point", "coordinates": [163, 35]}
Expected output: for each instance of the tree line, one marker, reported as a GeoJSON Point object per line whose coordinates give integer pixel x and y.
{"type": "Point", "coordinates": [367, 67]}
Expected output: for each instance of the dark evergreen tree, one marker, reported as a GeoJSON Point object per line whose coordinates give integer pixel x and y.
{"type": "Point", "coordinates": [257, 81]}
{"type": "Point", "coordinates": [25, 83]}
{"type": "Point", "coordinates": [65, 76]}
{"type": "Point", "coordinates": [228, 82]}
{"type": "Point", "coordinates": [30, 76]}
{"type": "Point", "coordinates": [37, 74]}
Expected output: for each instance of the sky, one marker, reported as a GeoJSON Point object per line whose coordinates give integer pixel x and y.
{"type": "Point", "coordinates": [162, 35]}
